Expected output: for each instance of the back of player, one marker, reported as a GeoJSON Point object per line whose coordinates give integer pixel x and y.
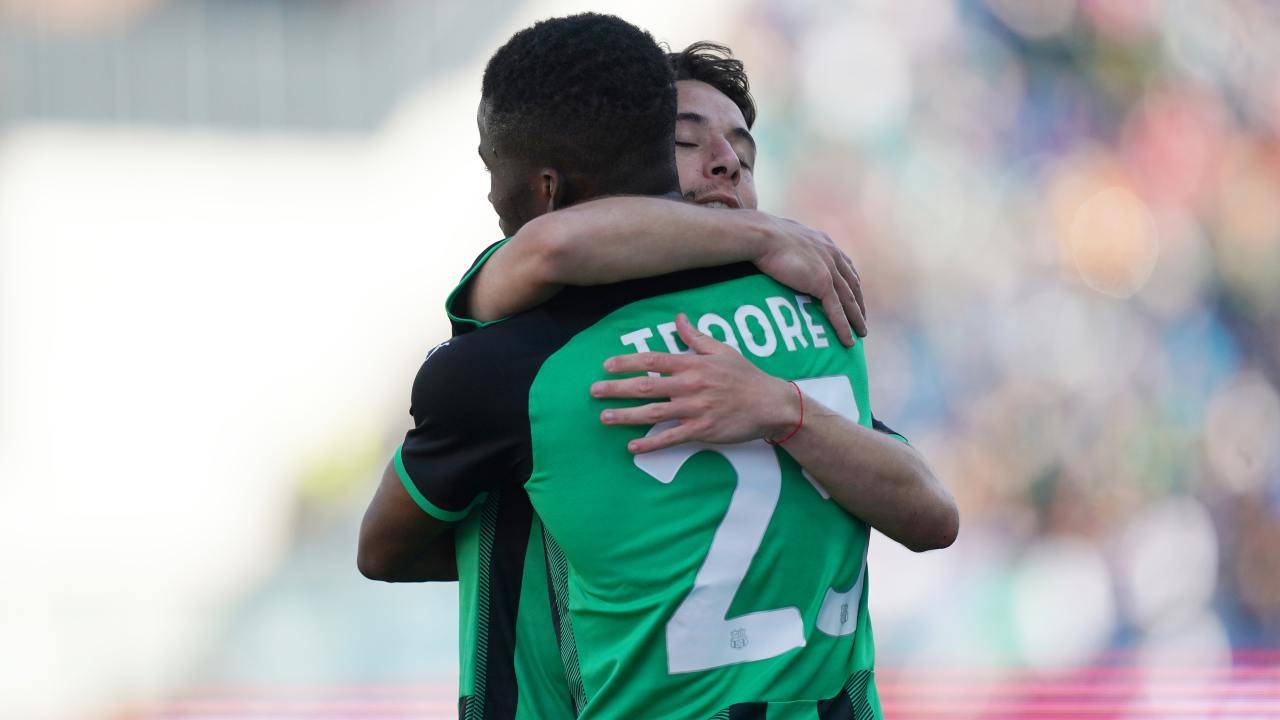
{"type": "Point", "coordinates": [686, 583]}
{"type": "Point", "coordinates": [699, 577]}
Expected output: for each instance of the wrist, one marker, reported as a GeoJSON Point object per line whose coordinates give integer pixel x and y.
{"type": "Point", "coordinates": [758, 232]}
{"type": "Point", "coordinates": [786, 411]}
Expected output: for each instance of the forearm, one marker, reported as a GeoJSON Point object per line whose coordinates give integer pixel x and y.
{"type": "Point", "coordinates": [438, 562]}
{"type": "Point", "coordinates": [611, 240]}
{"type": "Point", "coordinates": [413, 563]}
{"type": "Point", "coordinates": [622, 238]}
{"type": "Point", "coordinates": [401, 543]}
{"type": "Point", "coordinates": [876, 478]}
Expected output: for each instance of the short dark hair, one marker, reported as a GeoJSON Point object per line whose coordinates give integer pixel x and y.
{"type": "Point", "coordinates": [715, 65]}
{"type": "Point", "coordinates": [591, 95]}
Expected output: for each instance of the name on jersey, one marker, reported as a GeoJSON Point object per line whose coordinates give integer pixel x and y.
{"type": "Point", "coordinates": [782, 324]}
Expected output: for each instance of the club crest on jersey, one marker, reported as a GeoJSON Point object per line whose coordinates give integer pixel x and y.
{"type": "Point", "coordinates": [738, 638]}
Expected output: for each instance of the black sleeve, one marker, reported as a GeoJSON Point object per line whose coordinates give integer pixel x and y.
{"type": "Point", "coordinates": [877, 425]}
{"type": "Point", "coordinates": [470, 434]}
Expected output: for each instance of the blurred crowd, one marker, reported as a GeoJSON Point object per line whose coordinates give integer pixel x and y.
{"type": "Point", "coordinates": [1068, 216]}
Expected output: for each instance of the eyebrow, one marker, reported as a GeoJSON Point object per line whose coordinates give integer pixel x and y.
{"type": "Point", "coordinates": [738, 132]}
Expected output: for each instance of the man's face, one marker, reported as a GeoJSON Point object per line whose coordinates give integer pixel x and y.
{"type": "Point", "coordinates": [511, 189]}
{"type": "Point", "coordinates": [715, 153]}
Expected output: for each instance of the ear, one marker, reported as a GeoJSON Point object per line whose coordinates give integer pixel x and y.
{"type": "Point", "coordinates": [550, 189]}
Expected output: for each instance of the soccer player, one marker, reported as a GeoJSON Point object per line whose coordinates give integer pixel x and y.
{"type": "Point", "coordinates": [705, 345]}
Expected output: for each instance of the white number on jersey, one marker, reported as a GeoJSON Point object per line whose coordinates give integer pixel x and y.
{"type": "Point", "coordinates": [700, 635]}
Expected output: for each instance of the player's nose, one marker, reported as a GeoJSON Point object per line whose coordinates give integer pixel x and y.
{"type": "Point", "coordinates": [723, 162]}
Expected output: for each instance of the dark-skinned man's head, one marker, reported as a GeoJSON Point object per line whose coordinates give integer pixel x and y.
{"type": "Point", "coordinates": [574, 108]}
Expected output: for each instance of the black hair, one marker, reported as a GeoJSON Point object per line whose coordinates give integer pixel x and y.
{"type": "Point", "coordinates": [715, 65]}
{"type": "Point", "coordinates": [591, 95]}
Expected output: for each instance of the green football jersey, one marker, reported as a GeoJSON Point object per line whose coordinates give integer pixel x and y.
{"type": "Point", "coordinates": [696, 581]}
{"type": "Point", "coordinates": [509, 661]}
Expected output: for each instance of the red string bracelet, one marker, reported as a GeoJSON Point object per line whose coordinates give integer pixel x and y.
{"type": "Point", "coordinates": [799, 425]}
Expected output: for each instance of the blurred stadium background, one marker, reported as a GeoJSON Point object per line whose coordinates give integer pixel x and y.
{"type": "Point", "coordinates": [226, 232]}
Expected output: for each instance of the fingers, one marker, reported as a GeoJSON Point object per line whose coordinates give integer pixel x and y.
{"type": "Point", "coordinates": [650, 414]}
{"type": "Point", "coordinates": [852, 308]}
{"type": "Point", "coordinates": [646, 362]}
{"type": "Point", "coordinates": [699, 342]}
{"type": "Point", "coordinates": [655, 362]}
{"type": "Point", "coordinates": [638, 387]}
{"type": "Point", "coordinates": [851, 276]}
{"type": "Point", "coordinates": [833, 306]}
{"type": "Point", "coordinates": [682, 433]}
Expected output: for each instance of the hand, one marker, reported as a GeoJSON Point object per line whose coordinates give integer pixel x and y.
{"type": "Point", "coordinates": [808, 261]}
{"type": "Point", "coordinates": [717, 395]}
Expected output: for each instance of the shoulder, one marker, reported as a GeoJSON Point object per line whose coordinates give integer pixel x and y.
{"type": "Point", "coordinates": [485, 371]}
{"type": "Point", "coordinates": [449, 373]}
{"type": "Point", "coordinates": [451, 359]}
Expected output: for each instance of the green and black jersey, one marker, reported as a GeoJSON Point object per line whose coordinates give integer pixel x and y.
{"type": "Point", "coordinates": [509, 662]}
{"type": "Point", "coordinates": [510, 667]}
{"type": "Point", "coordinates": [697, 581]}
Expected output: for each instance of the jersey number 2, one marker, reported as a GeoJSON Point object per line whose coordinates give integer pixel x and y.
{"type": "Point", "coordinates": [700, 634]}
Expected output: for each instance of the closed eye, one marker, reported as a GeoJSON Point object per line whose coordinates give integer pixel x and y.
{"type": "Point", "coordinates": [686, 144]}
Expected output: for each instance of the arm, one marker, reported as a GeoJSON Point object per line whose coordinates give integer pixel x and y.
{"type": "Point", "coordinates": [457, 453]}
{"type": "Point", "coordinates": [401, 543]}
{"type": "Point", "coordinates": [720, 397]}
{"type": "Point", "coordinates": [623, 238]}
{"type": "Point", "coordinates": [870, 474]}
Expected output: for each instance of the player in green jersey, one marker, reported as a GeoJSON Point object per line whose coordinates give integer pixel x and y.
{"type": "Point", "coordinates": [712, 351]}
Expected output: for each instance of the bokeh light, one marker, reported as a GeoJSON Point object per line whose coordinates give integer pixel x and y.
{"type": "Point", "coordinates": [1063, 612]}
{"type": "Point", "coordinates": [1240, 432]}
{"type": "Point", "coordinates": [855, 77]}
{"type": "Point", "coordinates": [1113, 242]}
{"type": "Point", "coordinates": [1035, 20]}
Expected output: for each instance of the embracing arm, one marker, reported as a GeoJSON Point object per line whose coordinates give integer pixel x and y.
{"type": "Point", "coordinates": [624, 238]}
{"type": "Point", "coordinates": [401, 543]}
{"type": "Point", "coordinates": [718, 396]}
{"type": "Point", "coordinates": [873, 476]}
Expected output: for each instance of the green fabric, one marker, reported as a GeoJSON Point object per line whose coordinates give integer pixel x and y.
{"type": "Point", "coordinates": [558, 569]}
{"type": "Point", "coordinates": [451, 301]}
{"type": "Point", "coordinates": [868, 704]}
{"type": "Point", "coordinates": [438, 513]}
{"type": "Point", "coordinates": [634, 544]}
{"type": "Point", "coordinates": [544, 692]}
{"type": "Point", "coordinates": [472, 574]}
